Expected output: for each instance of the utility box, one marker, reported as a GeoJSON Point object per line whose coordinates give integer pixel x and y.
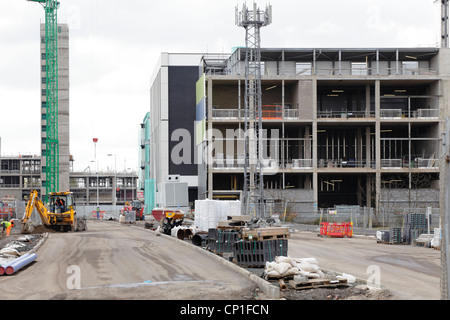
{"type": "Point", "coordinates": [173, 193]}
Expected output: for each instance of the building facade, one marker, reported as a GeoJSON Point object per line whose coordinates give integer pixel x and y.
{"type": "Point", "coordinates": [22, 174]}
{"type": "Point", "coordinates": [172, 117]}
{"type": "Point", "coordinates": [146, 184]}
{"type": "Point", "coordinates": [359, 127]}
{"type": "Point", "coordinates": [63, 107]}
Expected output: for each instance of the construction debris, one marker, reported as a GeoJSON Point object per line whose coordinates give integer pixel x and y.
{"type": "Point", "coordinates": [13, 254]}
{"type": "Point", "coordinates": [286, 266]}
{"type": "Point", "coordinates": [303, 273]}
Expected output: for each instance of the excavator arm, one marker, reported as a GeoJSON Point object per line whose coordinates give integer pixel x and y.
{"type": "Point", "coordinates": [34, 202]}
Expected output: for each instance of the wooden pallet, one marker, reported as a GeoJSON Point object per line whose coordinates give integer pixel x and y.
{"type": "Point", "coordinates": [317, 283]}
{"type": "Point", "coordinates": [259, 234]}
{"type": "Point", "coordinates": [277, 278]}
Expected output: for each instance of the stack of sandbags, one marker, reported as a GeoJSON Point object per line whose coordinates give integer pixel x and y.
{"type": "Point", "coordinates": [288, 266]}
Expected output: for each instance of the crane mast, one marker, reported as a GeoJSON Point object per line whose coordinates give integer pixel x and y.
{"type": "Point", "coordinates": [51, 90]}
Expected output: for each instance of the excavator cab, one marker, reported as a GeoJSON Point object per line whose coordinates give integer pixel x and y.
{"type": "Point", "coordinates": [61, 202]}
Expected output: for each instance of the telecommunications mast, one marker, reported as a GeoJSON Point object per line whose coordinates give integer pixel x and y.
{"type": "Point", "coordinates": [253, 193]}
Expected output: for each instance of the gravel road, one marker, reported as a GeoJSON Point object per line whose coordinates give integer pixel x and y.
{"type": "Point", "coordinates": [115, 261]}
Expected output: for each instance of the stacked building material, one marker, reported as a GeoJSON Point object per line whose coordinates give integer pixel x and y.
{"type": "Point", "coordinates": [383, 236]}
{"type": "Point", "coordinates": [208, 213]}
{"type": "Point", "coordinates": [257, 253]}
{"type": "Point", "coordinates": [395, 235]}
{"type": "Point", "coordinates": [222, 241]}
{"type": "Point", "coordinates": [413, 226]}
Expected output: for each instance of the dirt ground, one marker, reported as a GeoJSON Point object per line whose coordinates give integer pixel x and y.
{"type": "Point", "coordinates": [348, 293]}
{"type": "Point", "coordinates": [355, 291]}
{"type": "Point", "coordinates": [352, 291]}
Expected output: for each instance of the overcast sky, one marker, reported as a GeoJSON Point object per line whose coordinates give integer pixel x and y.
{"type": "Point", "coordinates": [114, 47]}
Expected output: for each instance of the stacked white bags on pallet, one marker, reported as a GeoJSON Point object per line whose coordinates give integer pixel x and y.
{"type": "Point", "coordinates": [287, 266]}
{"type": "Point", "coordinates": [208, 213]}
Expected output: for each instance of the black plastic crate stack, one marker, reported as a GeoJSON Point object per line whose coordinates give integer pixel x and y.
{"type": "Point", "coordinates": [414, 225]}
{"type": "Point", "coordinates": [256, 253]}
{"type": "Point", "coordinates": [221, 240]}
{"type": "Point", "coordinates": [395, 235]}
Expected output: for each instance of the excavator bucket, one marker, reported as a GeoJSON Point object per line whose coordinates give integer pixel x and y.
{"type": "Point", "coordinates": [27, 228]}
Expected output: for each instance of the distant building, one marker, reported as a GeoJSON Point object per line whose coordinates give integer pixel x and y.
{"type": "Point", "coordinates": [146, 184]}
{"type": "Point", "coordinates": [21, 174]}
{"type": "Point", "coordinates": [63, 106]}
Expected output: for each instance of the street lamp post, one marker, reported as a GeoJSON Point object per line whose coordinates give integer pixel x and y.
{"type": "Point", "coordinates": [114, 184]}
{"type": "Point", "coordinates": [96, 163]}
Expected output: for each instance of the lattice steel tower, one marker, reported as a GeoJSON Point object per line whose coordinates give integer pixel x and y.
{"type": "Point", "coordinates": [444, 24]}
{"type": "Point", "coordinates": [51, 82]}
{"type": "Point", "coordinates": [253, 193]}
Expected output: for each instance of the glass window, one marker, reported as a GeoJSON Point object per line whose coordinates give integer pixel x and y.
{"type": "Point", "coordinates": [410, 68]}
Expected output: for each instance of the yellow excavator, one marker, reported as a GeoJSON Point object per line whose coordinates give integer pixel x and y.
{"type": "Point", "coordinates": [59, 214]}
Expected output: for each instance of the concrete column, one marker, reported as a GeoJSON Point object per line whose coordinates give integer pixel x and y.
{"type": "Point", "coordinates": [377, 146]}
{"type": "Point", "coordinates": [209, 139]}
{"type": "Point", "coordinates": [315, 177]}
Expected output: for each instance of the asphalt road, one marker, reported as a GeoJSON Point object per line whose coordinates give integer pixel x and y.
{"type": "Point", "coordinates": [409, 272]}
{"type": "Point", "coordinates": [116, 261]}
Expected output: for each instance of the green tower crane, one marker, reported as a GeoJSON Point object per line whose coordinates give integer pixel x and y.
{"type": "Point", "coordinates": [51, 105]}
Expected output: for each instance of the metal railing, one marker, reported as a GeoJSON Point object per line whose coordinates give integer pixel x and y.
{"type": "Point", "coordinates": [391, 163]}
{"type": "Point", "coordinates": [420, 163]}
{"type": "Point", "coordinates": [345, 114]}
{"type": "Point", "coordinates": [376, 71]}
{"type": "Point", "coordinates": [341, 163]}
{"type": "Point", "coordinates": [228, 113]}
{"type": "Point", "coordinates": [267, 163]}
{"type": "Point", "coordinates": [414, 114]}
{"type": "Point", "coordinates": [240, 114]}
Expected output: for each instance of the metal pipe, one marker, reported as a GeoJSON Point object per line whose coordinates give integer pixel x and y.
{"type": "Point", "coordinates": [199, 239]}
{"type": "Point", "coordinates": [3, 267]}
{"type": "Point", "coordinates": [187, 233]}
{"type": "Point", "coordinates": [180, 234]}
{"type": "Point", "coordinates": [19, 263]}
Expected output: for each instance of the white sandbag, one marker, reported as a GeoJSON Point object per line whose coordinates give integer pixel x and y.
{"type": "Point", "coordinates": [270, 265]}
{"type": "Point", "coordinates": [306, 266]}
{"type": "Point", "coordinates": [313, 275]}
{"type": "Point", "coordinates": [272, 273]}
{"type": "Point", "coordinates": [282, 267]}
{"type": "Point", "coordinates": [292, 272]}
{"type": "Point", "coordinates": [303, 273]}
{"type": "Point", "coordinates": [349, 277]}
{"type": "Point", "coordinates": [321, 274]}
{"type": "Point", "coordinates": [308, 260]}
{"type": "Point", "coordinates": [10, 252]}
{"type": "Point", "coordinates": [281, 259]}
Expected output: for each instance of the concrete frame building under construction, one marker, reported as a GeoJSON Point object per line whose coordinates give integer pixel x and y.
{"type": "Point", "coordinates": [343, 126]}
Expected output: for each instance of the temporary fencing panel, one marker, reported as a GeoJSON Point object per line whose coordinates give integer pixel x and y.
{"type": "Point", "coordinates": [336, 229]}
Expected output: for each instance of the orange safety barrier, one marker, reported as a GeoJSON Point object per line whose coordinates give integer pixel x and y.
{"type": "Point", "coordinates": [336, 229]}
{"type": "Point", "coordinates": [272, 112]}
{"type": "Point", "coordinates": [100, 214]}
